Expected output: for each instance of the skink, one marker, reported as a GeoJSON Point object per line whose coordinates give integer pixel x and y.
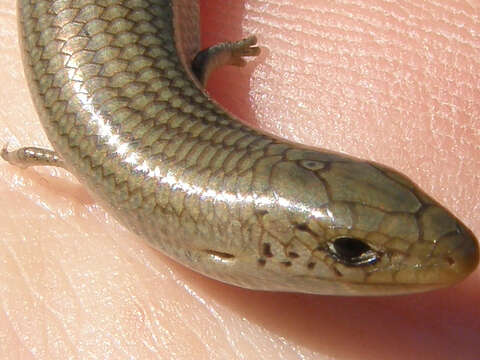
{"type": "Point", "coordinates": [125, 110]}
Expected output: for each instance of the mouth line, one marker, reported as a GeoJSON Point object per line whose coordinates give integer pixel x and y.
{"type": "Point", "coordinates": [390, 284]}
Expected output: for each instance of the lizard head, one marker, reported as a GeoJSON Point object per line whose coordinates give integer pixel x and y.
{"type": "Point", "coordinates": [357, 228]}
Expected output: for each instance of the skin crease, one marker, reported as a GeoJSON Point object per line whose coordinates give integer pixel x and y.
{"type": "Point", "coordinates": [363, 80]}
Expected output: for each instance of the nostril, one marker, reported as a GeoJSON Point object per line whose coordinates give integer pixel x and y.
{"type": "Point", "coordinates": [450, 260]}
{"type": "Point", "coordinates": [302, 227]}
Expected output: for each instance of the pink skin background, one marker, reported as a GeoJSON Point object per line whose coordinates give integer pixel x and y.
{"type": "Point", "coordinates": [395, 82]}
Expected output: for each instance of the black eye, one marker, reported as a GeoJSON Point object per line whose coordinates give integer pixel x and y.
{"type": "Point", "coordinates": [352, 252]}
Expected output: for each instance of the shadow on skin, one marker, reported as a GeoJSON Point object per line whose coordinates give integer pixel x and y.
{"type": "Point", "coordinates": [443, 324]}
{"type": "Point", "coordinates": [56, 185]}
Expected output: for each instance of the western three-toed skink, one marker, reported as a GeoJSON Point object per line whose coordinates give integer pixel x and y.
{"type": "Point", "coordinates": [125, 110]}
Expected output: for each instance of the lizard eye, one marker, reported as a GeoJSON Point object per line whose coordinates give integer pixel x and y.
{"type": "Point", "coordinates": [352, 251]}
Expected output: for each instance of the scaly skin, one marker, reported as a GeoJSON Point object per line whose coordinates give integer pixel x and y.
{"type": "Point", "coordinates": [110, 85]}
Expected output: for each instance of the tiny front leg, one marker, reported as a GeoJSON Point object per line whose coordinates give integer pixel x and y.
{"type": "Point", "coordinates": [227, 53]}
{"type": "Point", "coordinates": [32, 156]}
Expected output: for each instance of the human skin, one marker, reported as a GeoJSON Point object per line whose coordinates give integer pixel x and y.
{"type": "Point", "coordinates": [394, 84]}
